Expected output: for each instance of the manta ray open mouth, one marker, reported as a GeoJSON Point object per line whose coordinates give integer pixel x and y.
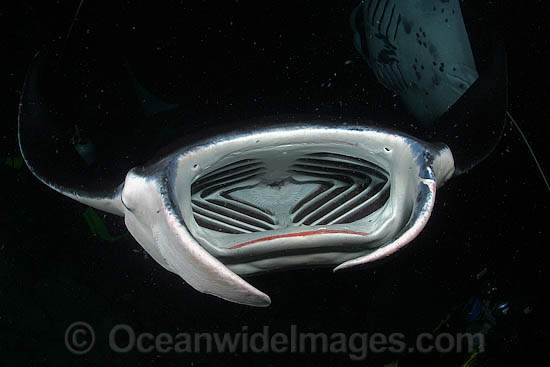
{"type": "Point", "coordinates": [298, 196]}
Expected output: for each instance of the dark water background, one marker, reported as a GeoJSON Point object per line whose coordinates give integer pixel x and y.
{"type": "Point", "coordinates": [229, 61]}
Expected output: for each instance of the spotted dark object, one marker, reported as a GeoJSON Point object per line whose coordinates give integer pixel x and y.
{"type": "Point", "coordinates": [413, 64]}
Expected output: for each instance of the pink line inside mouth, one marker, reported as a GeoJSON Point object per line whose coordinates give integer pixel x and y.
{"type": "Point", "coordinates": [298, 234]}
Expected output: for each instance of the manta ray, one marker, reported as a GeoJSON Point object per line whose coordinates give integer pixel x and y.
{"type": "Point", "coordinates": [295, 190]}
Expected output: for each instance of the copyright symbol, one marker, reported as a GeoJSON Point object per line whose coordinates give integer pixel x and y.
{"type": "Point", "coordinates": [79, 337]}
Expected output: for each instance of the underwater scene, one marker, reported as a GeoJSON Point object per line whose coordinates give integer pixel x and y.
{"type": "Point", "coordinates": [271, 182]}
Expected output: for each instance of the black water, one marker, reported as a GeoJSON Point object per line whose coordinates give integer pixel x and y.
{"type": "Point", "coordinates": [224, 63]}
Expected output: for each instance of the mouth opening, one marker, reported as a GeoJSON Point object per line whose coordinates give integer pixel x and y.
{"type": "Point", "coordinates": [330, 195]}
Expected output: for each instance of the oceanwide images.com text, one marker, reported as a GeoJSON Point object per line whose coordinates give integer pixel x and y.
{"type": "Point", "coordinates": [80, 338]}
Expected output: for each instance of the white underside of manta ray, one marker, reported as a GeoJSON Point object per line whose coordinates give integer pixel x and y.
{"type": "Point", "coordinates": [304, 193]}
